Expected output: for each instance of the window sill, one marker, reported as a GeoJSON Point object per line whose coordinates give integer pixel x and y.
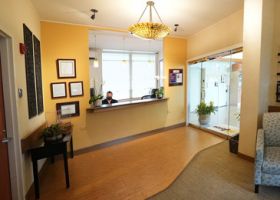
{"type": "Point", "coordinates": [121, 105]}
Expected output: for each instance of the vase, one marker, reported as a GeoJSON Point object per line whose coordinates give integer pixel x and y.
{"type": "Point", "coordinates": [98, 102]}
{"type": "Point", "coordinates": [204, 119]}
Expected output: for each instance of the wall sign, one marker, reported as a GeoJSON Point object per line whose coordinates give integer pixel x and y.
{"type": "Point", "coordinates": [38, 72]}
{"type": "Point", "coordinates": [30, 73]}
{"type": "Point", "coordinates": [175, 77]}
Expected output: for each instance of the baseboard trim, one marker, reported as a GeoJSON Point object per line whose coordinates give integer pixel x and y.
{"type": "Point", "coordinates": [245, 157]}
{"type": "Point", "coordinates": [30, 195]}
{"type": "Point", "coordinates": [127, 139]}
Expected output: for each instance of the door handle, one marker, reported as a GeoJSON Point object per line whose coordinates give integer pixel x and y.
{"type": "Point", "coordinates": [6, 140]}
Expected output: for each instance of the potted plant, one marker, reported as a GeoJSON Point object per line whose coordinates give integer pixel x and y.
{"type": "Point", "coordinates": [204, 111]}
{"type": "Point", "coordinates": [160, 93]}
{"type": "Point", "coordinates": [95, 99]}
{"type": "Point", "coordinates": [53, 133]}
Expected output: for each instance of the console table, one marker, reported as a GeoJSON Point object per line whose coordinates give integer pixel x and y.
{"type": "Point", "coordinates": [49, 150]}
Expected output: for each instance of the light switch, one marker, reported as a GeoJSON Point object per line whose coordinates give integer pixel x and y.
{"type": "Point", "coordinates": [20, 92]}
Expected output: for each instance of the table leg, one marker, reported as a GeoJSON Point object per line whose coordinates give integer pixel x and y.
{"type": "Point", "coordinates": [66, 166]}
{"type": "Point", "coordinates": [52, 159]}
{"type": "Point", "coordinates": [36, 178]}
{"type": "Point", "coordinates": [71, 147]}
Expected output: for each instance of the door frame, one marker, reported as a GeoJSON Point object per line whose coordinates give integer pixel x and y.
{"type": "Point", "coordinates": [11, 115]}
{"type": "Point", "coordinates": [188, 74]}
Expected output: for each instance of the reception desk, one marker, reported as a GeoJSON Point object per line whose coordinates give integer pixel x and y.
{"type": "Point", "coordinates": [125, 104]}
{"type": "Point", "coordinates": [112, 122]}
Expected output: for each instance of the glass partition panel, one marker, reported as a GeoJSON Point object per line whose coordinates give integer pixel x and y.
{"type": "Point", "coordinates": [194, 91]}
{"type": "Point", "coordinates": [219, 81]}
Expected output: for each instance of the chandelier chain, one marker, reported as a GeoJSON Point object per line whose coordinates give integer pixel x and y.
{"type": "Point", "coordinates": [142, 13]}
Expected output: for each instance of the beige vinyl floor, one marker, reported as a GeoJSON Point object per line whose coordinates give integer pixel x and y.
{"type": "Point", "coordinates": [133, 170]}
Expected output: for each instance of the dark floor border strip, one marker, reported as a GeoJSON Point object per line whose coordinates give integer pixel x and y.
{"type": "Point", "coordinates": [127, 139]}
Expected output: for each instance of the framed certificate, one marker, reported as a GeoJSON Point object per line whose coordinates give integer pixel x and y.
{"type": "Point", "coordinates": [66, 68]}
{"type": "Point", "coordinates": [175, 77]}
{"type": "Point", "coordinates": [58, 90]}
{"type": "Point", "coordinates": [68, 109]}
{"type": "Point", "coordinates": [76, 89]}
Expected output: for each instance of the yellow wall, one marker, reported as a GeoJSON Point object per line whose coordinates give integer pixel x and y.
{"type": "Point", "coordinates": [174, 54]}
{"type": "Point", "coordinates": [70, 41]}
{"type": "Point", "coordinates": [13, 13]}
{"type": "Point", "coordinates": [223, 34]}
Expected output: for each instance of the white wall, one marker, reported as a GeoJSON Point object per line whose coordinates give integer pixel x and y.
{"type": "Point", "coordinates": [257, 35]}
{"type": "Point", "coordinates": [13, 13]}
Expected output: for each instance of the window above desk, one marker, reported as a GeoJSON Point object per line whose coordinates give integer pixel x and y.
{"type": "Point", "coordinates": [128, 66]}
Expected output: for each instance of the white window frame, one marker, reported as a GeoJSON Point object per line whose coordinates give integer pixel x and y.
{"type": "Point", "coordinates": [130, 53]}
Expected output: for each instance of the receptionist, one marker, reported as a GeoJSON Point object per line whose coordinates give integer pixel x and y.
{"type": "Point", "coordinates": [109, 98]}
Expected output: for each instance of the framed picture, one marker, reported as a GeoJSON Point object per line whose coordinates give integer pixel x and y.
{"type": "Point", "coordinates": [66, 68]}
{"type": "Point", "coordinates": [175, 77]}
{"type": "Point", "coordinates": [76, 89]}
{"type": "Point", "coordinates": [278, 92]}
{"type": "Point", "coordinates": [58, 90]}
{"type": "Point", "coordinates": [68, 109]}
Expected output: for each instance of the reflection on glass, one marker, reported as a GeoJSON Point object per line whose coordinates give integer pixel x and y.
{"type": "Point", "coordinates": [115, 74]}
{"type": "Point", "coordinates": [143, 74]}
{"type": "Point", "coordinates": [218, 80]}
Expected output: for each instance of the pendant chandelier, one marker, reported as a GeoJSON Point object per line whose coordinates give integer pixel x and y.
{"type": "Point", "coordinates": [149, 30]}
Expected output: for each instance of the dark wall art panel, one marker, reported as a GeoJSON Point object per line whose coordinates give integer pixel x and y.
{"type": "Point", "coordinates": [29, 70]}
{"type": "Point", "coordinates": [38, 78]}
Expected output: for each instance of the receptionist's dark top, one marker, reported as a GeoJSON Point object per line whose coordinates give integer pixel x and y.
{"type": "Point", "coordinates": [105, 101]}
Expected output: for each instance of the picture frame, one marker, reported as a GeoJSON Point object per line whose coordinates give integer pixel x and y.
{"type": "Point", "coordinates": [58, 90]}
{"type": "Point", "coordinates": [278, 91]}
{"type": "Point", "coordinates": [66, 68]}
{"type": "Point", "coordinates": [76, 89]}
{"type": "Point", "coordinates": [68, 109]}
{"type": "Point", "coordinates": [176, 77]}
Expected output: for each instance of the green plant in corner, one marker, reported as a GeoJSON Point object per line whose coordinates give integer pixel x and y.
{"type": "Point", "coordinates": [93, 99]}
{"type": "Point", "coordinates": [160, 93]}
{"type": "Point", "coordinates": [204, 109]}
{"type": "Point", "coordinates": [97, 94]}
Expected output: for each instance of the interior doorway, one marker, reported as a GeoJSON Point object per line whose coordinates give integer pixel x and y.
{"type": "Point", "coordinates": [10, 149]}
{"type": "Point", "coordinates": [5, 182]}
{"type": "Point", "coordinates": [217, 79]}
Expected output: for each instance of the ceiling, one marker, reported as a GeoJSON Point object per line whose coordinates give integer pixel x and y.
{"type": "Point", "coordinates": [122, 41]}
{"type": "Point", "coordinates": [191, 15]}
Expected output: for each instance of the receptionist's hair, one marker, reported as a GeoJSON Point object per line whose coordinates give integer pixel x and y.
{"type": "Point", "coordinates": [109, 92]}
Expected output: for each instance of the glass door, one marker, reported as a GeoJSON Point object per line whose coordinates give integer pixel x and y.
{"type": "Point", "coordinates": [218, 81]}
